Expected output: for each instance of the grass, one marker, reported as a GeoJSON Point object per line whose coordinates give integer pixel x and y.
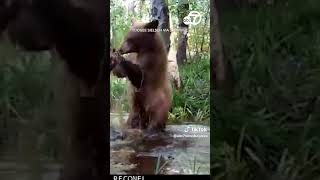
{"type": "Point", "coordinates": [276, 59]}
{"type": "Point", "coordinates": [119, 100]}
{"type": "Point", "coordinates": [193, 103]}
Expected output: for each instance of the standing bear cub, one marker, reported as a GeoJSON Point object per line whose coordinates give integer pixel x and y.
{"type": "Point", "coordinates": [151, 99]}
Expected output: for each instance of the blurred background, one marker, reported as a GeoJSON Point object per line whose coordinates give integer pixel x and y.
{"type": "Point", "coordinates": [269, 127]}
{"type": "Point", "coordinates": [28, 128]}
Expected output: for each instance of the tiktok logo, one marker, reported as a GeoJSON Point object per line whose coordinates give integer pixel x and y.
{"type": "Point", "coordinates": [187, 129]}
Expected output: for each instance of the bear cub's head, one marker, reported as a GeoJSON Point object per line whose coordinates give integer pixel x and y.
{"type": "Point", "coordinates": [141, 37]}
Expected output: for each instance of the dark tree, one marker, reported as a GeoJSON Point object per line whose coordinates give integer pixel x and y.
{"type": "Point", "coordinates": [222, 76]}
{"type": "Point", "coordinates": [183, 10]}
{"type": "Point", "coordinates": [160, 11]}
{"type": "Point", "coordinates": [76, 30]}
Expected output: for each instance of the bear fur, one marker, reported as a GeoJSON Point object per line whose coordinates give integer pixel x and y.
{"type": "Point", "coordinates": [151, 102]}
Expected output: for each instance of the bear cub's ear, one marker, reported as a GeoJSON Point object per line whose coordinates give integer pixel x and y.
{"type": "Point", "coordinates": [152, 25]}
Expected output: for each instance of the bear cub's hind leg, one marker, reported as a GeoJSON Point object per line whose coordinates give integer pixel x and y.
{"type": "Point", "coordinates": [159, 116]}
{"type": "Point", "coordinates": [134, 120]}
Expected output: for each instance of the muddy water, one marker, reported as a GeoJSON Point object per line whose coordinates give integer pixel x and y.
{"type": "Point", "coordinates": [180, 149]}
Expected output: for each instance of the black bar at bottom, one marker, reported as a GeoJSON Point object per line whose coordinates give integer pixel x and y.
{"type": "Point", "coordinates": [149, 177]}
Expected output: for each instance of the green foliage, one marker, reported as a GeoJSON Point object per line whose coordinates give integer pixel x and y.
{"type": "Point", "coordinates": [121, 17]}
{"type": "Point", "coordinates": [119, 100]}
{"type": "Point", "coordinates": [274, 53]}
{"type": "Point", "coordinates": [122, 14]}
{"type": "Point", "coordinates": [193, 103]}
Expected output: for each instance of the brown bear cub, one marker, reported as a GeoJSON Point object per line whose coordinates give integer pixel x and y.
{"type": "Point", "coordinates": [151, 101]}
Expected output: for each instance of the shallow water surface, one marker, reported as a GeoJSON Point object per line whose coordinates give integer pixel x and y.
{"type": "Point", "coordinates": [180, 149]}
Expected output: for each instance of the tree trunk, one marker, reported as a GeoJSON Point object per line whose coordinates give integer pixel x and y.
{"type": "Point", "coordinates": [196, 43]}
{"type": "Point", "coordinates": [222, 75]}
{"type": "Point", "coordinates": [160, 11]}
{"type": "Point", "coordinates": [189, 51]}
{"type": "Point", "coordinates": [141, 4]}
{"type": "Point", "coordinates": [183, 10]}
{"type": "Point", "coordinates": [173, 69]}
{"type": "Point", "coordinates": [84, 118]}
{"type": "Point", "coordinates": [204, 32]}
{"type": "Point", "coordinates": [84, 129]}
{"type": "Point", "coordinates": [130, 8]}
